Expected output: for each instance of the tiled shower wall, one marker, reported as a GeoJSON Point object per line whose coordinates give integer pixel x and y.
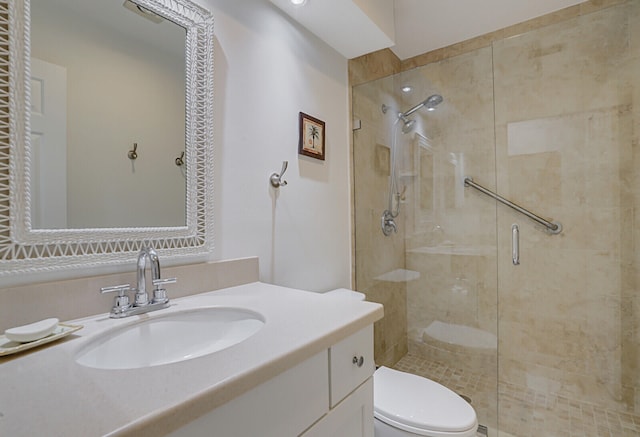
{"type": "Point", "coordinates": [549, 118]}
{"type": "Point", "coordinates": [379, 259]}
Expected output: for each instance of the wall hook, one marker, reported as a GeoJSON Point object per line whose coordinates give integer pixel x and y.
{"type": "Point", "coordinates": [133, 154]}
{"type": "Point", "coordinates": [180, 160]}
{"type": "Point", "coordinates": [276, 179]}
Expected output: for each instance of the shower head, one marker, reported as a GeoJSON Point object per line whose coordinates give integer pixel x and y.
{"type": "Point", "coordinates": [408, 125]}
{"type": "Point", "coordinates": [430, 103]}
{"type": "Point", "coordinates": [433, 101]}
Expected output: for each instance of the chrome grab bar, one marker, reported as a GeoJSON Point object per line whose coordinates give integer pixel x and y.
{"type": "Point", "coordinates": [553, 227]}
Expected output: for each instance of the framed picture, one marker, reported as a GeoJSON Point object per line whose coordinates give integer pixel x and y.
{"type": "Point", "coordinates": [311, 137]}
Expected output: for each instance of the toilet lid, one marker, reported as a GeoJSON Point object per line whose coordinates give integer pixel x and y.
{"type": "Point", "coordinates": [416, 404]}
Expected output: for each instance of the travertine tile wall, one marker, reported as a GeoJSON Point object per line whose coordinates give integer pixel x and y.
{"type": "Point", "coordinates": [377, 255]}
{"type": "Point", "coordinates": [548, 114]}
{"type": "Point", "coordinates": [384, 62]}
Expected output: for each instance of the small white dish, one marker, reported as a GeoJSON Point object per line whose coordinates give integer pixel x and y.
{"type": "Point", "coordinates": [8, 347]}
{"type": "Point", "coordinates": [32, 332]}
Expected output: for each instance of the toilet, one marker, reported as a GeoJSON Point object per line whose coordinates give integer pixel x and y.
{"type": "Point", "coordinates": [407, 405]}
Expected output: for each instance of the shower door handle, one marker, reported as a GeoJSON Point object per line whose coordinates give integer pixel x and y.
{"type": "Point", "coordinates": [515, 244]}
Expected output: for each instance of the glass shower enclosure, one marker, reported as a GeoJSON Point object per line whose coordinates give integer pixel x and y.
{"type": "Point", "coordinates": [545, 344]}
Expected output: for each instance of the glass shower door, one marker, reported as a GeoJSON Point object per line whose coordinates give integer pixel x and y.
{"type": "Point", "coordinates": [567, 100]}
{"type": "Point", "coordinates": [437, 276]}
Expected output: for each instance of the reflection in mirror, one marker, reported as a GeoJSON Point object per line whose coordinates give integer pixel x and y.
{"type": "Point", "coordinates": [105, 76]}
{"type": "Point", "coordinates": [26, 249]}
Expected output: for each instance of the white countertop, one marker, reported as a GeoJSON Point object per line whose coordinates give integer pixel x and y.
{"type": "Point", "coordinates": [45, 392]}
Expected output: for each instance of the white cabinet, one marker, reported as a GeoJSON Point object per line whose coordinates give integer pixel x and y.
{"type": "Point", "coordinates": [351, 389]}
{"type": "Point", "coordinates": [328, 395]}
{"type": "Point", "coordinates": [350, 363]}
{"type": "Point", "coordinates": [353, 417]}
{"type": "Point", "coordinates": [283, 406]}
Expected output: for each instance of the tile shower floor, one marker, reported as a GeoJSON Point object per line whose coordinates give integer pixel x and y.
{"type": "Point", "coordinates": [524, 412]}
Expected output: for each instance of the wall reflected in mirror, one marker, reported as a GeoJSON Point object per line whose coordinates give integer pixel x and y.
{"type": "Point", "coordinates": [103, 78]}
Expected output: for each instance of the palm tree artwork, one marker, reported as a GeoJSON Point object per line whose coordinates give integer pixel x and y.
{"type": "Point", "coordinates": [314, 133]}
{"type": "Point", "coordinates": [312, 137]}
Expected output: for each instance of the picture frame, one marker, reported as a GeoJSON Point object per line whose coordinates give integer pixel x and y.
{"type": "Point", "coordinates": [312, 134]}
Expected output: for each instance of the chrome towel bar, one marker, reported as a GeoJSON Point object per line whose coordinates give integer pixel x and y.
{"type": "Point", "coordinates": [553, 227]}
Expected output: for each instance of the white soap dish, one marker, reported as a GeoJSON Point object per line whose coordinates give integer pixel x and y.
{"type": "Point", "coordinates": [8, 347]}
{"type": "Point", "coordinates": [32, 332]}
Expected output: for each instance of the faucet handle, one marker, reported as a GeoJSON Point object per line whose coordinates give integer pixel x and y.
{"type": "Point", "coordinates": [159, 292]}
{"type": "Point", "coordinates": [121, 301]}
{"type": "Point", "coordinates": [158, 282]}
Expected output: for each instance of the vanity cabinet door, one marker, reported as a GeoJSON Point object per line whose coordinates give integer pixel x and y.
{"type": "Point", "coordinates": [350, 363]}
{"type": "Point", "coordinates": [353, 417]}
{"type": "Point", "coordinates": [282, 406]}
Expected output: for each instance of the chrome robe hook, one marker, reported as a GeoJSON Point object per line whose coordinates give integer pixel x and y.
{"type": "Point", "coordinates": [276, 179]}
{"type": "Point", "coordinates": [133, 154]}
{"type": "Point", "coordinates": [180, 160]}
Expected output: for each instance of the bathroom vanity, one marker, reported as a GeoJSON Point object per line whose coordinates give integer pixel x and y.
{"type": "Point", "coordinates": [307, 371]}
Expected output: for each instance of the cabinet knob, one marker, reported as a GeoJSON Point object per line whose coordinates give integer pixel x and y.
{"type": "Point", "coordinates": [358, 361]}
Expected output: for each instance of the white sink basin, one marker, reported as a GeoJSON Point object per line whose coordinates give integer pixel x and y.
{"type": "Point", "coordinates": [170, 338]}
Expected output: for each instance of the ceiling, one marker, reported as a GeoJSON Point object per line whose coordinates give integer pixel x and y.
{"type": "Point", "coordinates": [411, 27]}
{"type": "Point", "coordinates": [425, 25]}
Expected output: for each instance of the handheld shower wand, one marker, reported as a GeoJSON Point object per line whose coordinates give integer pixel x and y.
{"type": "Point", "coordinates": [388, 224]}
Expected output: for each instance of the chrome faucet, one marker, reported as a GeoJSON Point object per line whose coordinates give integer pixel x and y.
{"type": "Point", "coordinates": [122, 306]}
{"type": "Point", "coordinates": [142, 297]}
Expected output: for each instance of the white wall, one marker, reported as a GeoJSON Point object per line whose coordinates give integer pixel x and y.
{"type": "Point", "coordinates": [268, 69]}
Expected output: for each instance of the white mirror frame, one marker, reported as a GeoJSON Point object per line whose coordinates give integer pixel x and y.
{"type": "Point", "coordinates": [27, 250]}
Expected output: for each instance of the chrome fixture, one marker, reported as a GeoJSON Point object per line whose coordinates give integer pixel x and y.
{"type": "Point", "coordinates": [552, 227]}
{"type": "Point", "coordinates": [429, 103]}
{"type": "Point", "coordinates": [515, 244]}
{"type": "Point", "coordinates": [180, 160]}
{"type": "Point", "coordinates": [142, 297]}
{"type": "Point", "coordinates": [388, 223]}
{"type": "Point", "coordinates": [395, 196]}
{"type": "Point", "coordinates": [133, 153]}
{"type": "Point", "coordinates": [276, 179]}
{"type": "Point", "coordinates": [408, 125]}
{"type": "Point", "coordinates": [122, 307]}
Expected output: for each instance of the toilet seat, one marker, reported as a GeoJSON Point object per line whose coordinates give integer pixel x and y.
{"type": "Point", "coordinates": [421, 406]}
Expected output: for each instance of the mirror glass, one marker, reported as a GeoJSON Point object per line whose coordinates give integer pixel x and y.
{"type": "Point", "coordinates": [107, 116]}
{"type": "Point", "coordinates": [176, 225]}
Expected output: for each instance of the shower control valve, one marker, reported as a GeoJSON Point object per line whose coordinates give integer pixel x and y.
{"type": "Point", "coordinates": [388, 224]}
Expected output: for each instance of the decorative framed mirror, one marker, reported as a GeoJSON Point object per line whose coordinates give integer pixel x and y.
{"type": "Point", "coordinates": [105, 205]}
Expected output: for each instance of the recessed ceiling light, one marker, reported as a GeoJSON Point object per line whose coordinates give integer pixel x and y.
{"type": "Point", "coordinates": [407, 89]}
{"type": "Point", "coordinates": [298, 2]}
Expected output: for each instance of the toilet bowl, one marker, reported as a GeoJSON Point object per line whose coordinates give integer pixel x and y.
{"type": "Point", "coordinates": [407, 405]}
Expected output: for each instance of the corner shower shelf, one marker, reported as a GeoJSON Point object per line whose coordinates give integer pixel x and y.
{"type": "Point", "coordinates": [399, 275]}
